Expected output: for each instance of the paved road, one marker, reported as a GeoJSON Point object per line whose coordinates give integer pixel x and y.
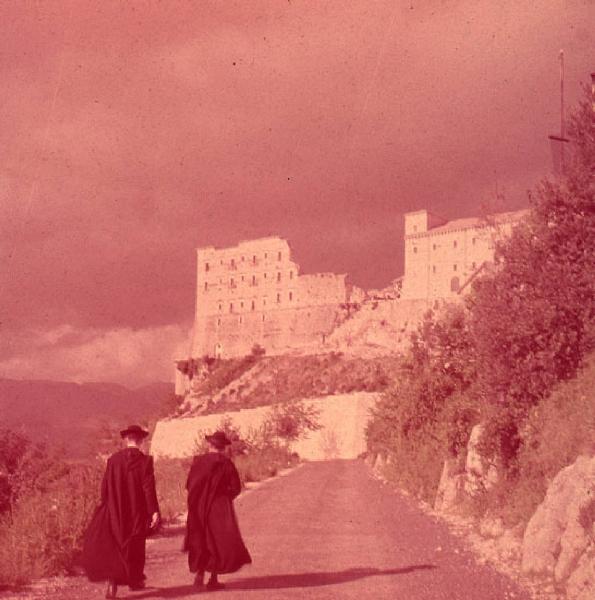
{"type": "Point", "coordinates": [326, 530]}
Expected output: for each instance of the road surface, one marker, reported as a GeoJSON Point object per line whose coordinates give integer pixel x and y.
{"type": "Point", "coordinates": [325, 530]}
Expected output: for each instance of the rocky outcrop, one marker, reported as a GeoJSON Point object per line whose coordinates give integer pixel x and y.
{"type": "Point", "coordinates": [559, 538]}
{"type": "Point", "coordinates": [460, 482]}
{"type": "Point", "coordinates": [480, 475]}
{"type": "Point", "coordinates": [451, 489]}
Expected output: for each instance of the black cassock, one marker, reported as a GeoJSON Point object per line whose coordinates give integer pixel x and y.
{"type": "Point", "coordinates": [114, 544]}
{"type": "Point", "coordinates": [213, 539]}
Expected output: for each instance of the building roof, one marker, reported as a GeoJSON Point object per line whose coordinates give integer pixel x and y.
{"type": "Point", "coordinates": [473, 222]}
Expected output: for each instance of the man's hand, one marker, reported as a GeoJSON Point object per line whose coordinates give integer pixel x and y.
{"type": "Point", "coordinates": [154, 520]}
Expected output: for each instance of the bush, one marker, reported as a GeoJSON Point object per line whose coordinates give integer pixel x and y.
{"type": "Point", "coordinates": [42, 534]}
{"type": "Point", "coordinates": [555, 433]}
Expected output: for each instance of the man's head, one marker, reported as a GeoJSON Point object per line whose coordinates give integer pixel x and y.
{"type": "Point", "coordinates": [134, 434]}
{"type": "Point", "coordinates": [218, 440]}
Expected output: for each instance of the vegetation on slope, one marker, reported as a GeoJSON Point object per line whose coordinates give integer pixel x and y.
{"type": "Point", "coordinates": [250, 382]}
{"type": "Point", "coordinates": [513, 358]}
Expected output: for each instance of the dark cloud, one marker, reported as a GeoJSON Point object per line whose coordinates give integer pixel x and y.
{"type": "Point", "coordinates": [131, 133]}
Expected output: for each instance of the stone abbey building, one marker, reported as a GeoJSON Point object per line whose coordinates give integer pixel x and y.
{"type": "Point", "coordinates": [254, 293]}
{"type": "Point", "coordinates": [441, 257]}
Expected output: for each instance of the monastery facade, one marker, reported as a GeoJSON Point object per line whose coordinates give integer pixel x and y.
{"type": "Point", "coordinates": [441, 257]}
{"type": "Point", "coordinates": [254, 293]}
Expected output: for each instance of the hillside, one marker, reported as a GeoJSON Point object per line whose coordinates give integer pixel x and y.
{"type": "Point", "coordinates": [73, 415]}
{"type": "Point", "coordinates": [257, 381]}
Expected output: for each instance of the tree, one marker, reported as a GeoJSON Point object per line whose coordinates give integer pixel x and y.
{"type": "Point", "coordinates": [533, 317]}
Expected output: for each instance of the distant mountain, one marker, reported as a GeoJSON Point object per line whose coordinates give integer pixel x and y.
{"type": "Point", "coordinates": [74, 415]}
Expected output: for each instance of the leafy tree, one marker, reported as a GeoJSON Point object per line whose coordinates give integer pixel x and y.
{"type": "Point", "coordinates": [439, 366]}
{"type": "Point", "coordinates": [288, 421]}
{"type": "Point", "coordinates": [532, 318]}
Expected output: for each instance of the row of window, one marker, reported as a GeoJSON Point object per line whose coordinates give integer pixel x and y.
{"type": "Point", "coordinates": [253, 303]}
{"type": "Point", "coordinates": [232, 262]}
{"type": "Point", "coordinates": [454, 245]}
{"type": "Point", "coordinates": [454, 267]}
{"type": "Point", "coordinates": [240, 319]}
{"type": "Point", "coordinates": [254, 280]}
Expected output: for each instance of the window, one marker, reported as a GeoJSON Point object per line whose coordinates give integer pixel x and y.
{"type": "Point", "coordinates": [241, 305]}
{"type": "Point", "coordinates": [290, 274]}
{"type": "Point", "coordinates": [454, 244]}
{"type": "Point", "coordinates": [290, 296]}
{"type": "Point", "coordinates": [206, 287]}
{"type": "Point", "coordinates": [454, 284]}
{"type": "Point", "coordinates": [265, 255]}
{"type": "Point", "coordinates": [433, 246]}
{"type": "Point", "coordinates": [473, 241]}
{"type": "Point", "coordinates": [218, 321]}
{"type": "Point", "coordinates": [233, 263]}
{"type": "Point", "coordinates": [473, 265]}
{"type": "Point", "coordinates": [279, 256]}
{"type": "Point", "coordinates": [242, 259]}
{"type": "Point", "coordinates": [253, 305]}
{"type": "Point", "coordinates": [253, 279]}
{"type": "Point", "coordinates": [231, 307]}
{"type": "Point", "coordinates": [220, 307]}
{"type": "Point", "coordinates": [454, 267]}
{"type": "Point", "coordinates": [265, 275]}
{"type": "Point", "coordinates": [242, 278]}
{"type": "Point", "coordinates": [433, 268]}
{"type": "Point", "coordinates": [414, 249]}
{"type": "Point", "coordinates": [278, 298]}
{"type": "Point", "coordinates": [279, 276]}
{"type": "Point", "coordinates": [263, 317]}
{"type": "Point", "coordinates": [232, 283]}
{"type": "Point", "coordinates": [240, 320]}
{"type": "Point", "coordinates": [207, 266]}
{"type": "Point", "coordinates": [254, 259]}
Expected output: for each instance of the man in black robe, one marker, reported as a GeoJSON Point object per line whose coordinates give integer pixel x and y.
{"type": "Point", "coordinates": [114, 545]}
{"type": "Point", "coordinates": [213, 539]}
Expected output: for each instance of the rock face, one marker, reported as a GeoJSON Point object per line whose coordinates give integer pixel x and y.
{"type": "Point", "coordinates": [459, 482]}
{"type": "Point", "coordinates": [343, 420]}
{"type": "Point", "coordinates": [479, 474]}
{"type": "Point", "coordinates": [451, 489]}
{"type": "Point", "coordinates": [558, 540]}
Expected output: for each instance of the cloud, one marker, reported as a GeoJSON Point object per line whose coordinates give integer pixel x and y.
{"type": "Point", "coordinates": [131, 357]}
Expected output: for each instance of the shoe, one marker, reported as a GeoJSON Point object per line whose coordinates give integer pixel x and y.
{"type": "Point", "coordinates": [213, 586]}
{"type": "Point", "coordinates": [135, 587]}
{"type": "Point", "coordinates": [199, 581]}
{"type": "Point", "coordinates": [112, 590]}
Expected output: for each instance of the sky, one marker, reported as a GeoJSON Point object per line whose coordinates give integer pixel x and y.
{"type": "Point", "coordinates": [133, 133]}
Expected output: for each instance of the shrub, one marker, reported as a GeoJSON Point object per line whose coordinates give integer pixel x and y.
{"type": "Point", "coordinates": [42, 535]}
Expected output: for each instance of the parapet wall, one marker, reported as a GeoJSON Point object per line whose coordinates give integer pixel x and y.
{"type": "Point", "coordinates": [343, 419]}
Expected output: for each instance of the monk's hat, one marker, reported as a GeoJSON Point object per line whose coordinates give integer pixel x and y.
{"type": "Point", "coordinates": [218, 439]}
{"type": "Point", "coordinates": [134, 431]}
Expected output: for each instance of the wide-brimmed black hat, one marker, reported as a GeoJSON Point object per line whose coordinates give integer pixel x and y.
{"type": "Point", "coordinates": [134, 430]}
{"type": "Point", "coordinates": [218, 439]}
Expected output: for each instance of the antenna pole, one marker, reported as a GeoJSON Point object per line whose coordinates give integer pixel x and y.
{"type": "Point", "coordinates": [562, 110]}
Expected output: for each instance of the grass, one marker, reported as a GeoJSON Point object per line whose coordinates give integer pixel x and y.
{"type": "Point", "coordinates": [42, 535]}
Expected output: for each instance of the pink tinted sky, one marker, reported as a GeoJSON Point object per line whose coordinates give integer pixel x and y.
{"type": "Point", "coordinates": [131, 133]}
